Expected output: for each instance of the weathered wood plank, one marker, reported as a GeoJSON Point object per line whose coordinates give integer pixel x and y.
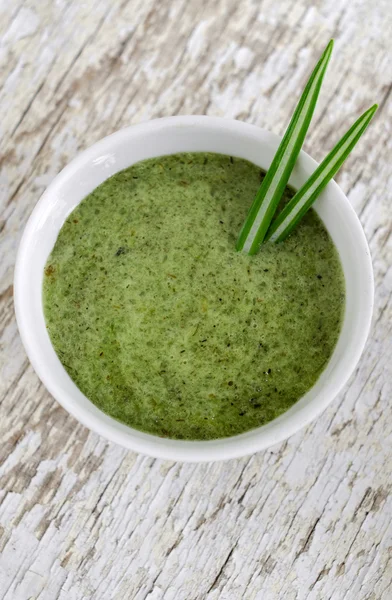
{"type": "Point", "coordinates": [81, 518]}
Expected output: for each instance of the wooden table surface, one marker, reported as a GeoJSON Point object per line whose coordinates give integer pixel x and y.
{"type": "Point", "coordinates": [81, 518]}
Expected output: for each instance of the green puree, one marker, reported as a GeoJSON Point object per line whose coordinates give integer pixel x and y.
{"type": "Point", "coordinates": [164, 326]}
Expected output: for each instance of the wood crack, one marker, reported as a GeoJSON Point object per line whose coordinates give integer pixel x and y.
{"type": "Point", "coordinates": [385, 99]}
{"type": "Point", "coordinates": [80, 51]}
{"type": "Point", "coordinates": [41, 147]}
{"type": "Point", "coordinates": [220, 573]}
{"type": "Point", "coordinates": [26, 110]}
{"type": "Point", "coordinates": [308, 540]}
{"type": "Point", "coordinates": [14, 384]}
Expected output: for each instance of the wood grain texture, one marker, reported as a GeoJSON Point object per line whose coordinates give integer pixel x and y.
{"type": "Point", "coordinates": [84, 519]}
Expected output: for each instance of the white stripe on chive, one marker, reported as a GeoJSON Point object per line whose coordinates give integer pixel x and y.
{"type": "Point", "coordinates": [304, 198]}
{"type": "Point", "coordinates": [271, 190]}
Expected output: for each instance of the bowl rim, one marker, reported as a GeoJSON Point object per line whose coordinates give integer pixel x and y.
{"type": "Point", "coordinates": [186, 451]}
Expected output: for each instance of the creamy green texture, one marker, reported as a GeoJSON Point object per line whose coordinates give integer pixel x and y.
{"type": "Point", "coordinates": [164, 326]}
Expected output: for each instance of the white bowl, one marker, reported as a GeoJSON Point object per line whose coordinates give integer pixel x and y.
{"type": "Point", "coordinates": [167, 136]}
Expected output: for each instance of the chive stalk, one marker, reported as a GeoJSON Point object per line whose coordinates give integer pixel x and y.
{"type": "Point", "coordinates": [267, 198]}
{"type": "Point", "coordinates": [308, 193]}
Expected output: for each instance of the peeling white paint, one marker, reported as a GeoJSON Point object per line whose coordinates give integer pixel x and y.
{"type": "Point", "coordinates": [25, 24]}
{"type": "Point", "coordinates": [243, 58]}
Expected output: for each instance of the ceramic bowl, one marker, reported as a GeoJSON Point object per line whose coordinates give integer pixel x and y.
{"type": "Point", "coordinates": [168, 136]}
